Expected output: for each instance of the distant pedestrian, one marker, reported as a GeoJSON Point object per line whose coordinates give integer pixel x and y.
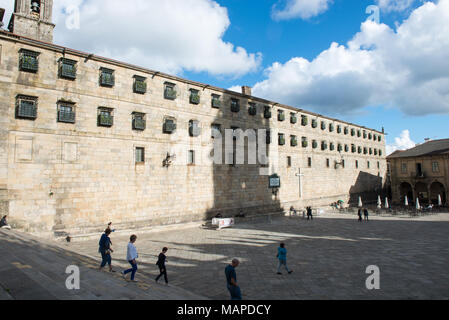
{"type": "Point", "coordinates": [282, 256]}
{"type": "Point", "coordinates": [105, 250]}
{"type": "Point", "coordinates": [4, 224]}
{"type": "Point", "coordinates": [360, 215]}
{"type": "Point", "coordinates": [131, 256]}
{"type": "Point", "coordinates": [161, 264]}
{"type": "Point", "coordinates": [366, 214]}
{"type": "Point", "coordinates": [309, 213]}
{"type": "Point", "coordinates": [231, 280]}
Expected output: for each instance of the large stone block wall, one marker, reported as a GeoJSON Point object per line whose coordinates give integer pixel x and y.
{"type": "Point", "coordinates": [76, 177]}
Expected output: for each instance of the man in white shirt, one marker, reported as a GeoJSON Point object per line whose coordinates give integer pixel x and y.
{"type": "Point", "coordinates": [131, 256]}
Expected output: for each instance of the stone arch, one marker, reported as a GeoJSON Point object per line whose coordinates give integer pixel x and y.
{"type": "Point", "coordinates": [437, 188]}
{"type": "Point", "coordinates": [406, 190]}
{"type": "Point", "coordinates": [422, 193]}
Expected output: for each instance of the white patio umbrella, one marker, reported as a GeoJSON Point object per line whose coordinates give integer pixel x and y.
{"type": "Point", "coordinates": [418, 207]}
{"type": "Point", "coordinates": [406, 201]}
{"type": "Point", "coordinates": [387, 205]}
{"type": "Point", "coordinates": [440, 202]}
{"type": "Point", "coordinates": [360, 202]}
{"type": "Point", "coordinates": [379, 203]}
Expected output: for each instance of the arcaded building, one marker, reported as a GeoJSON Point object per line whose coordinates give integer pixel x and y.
{"type": "Point", "coordinates": [421, 173]}
{"type": "Point", "coordinates": [85, 140]}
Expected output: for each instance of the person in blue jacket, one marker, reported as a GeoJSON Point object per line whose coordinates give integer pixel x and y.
{"type": "Point", "coordinates": [282, 256]}
{"type": "Point", "coordinates": [105, 250]}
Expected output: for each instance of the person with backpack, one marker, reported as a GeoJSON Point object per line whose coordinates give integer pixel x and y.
{"type": "Point", "coordinates": [131, 256]}
{"type": "Point", "coordinates": [161, 264]}
{"type": "Point", "coordinates": [282, 257]}
{"type": "Point", "coordinates": [105, 250]}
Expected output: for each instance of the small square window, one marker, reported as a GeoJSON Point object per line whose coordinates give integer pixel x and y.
{"type": "Point", "coordinates": [140, 155]}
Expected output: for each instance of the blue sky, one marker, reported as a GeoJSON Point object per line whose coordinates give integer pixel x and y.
{"type": "Point", "coordinates": [318, 55]}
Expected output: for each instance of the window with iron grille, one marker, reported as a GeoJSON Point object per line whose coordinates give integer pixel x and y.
{"type": "Point", "coordinates": [252, 109]}
{"type": "Point", "coordinates": [138, 121]}
{"type": "Point", "coordinates": [194, 96]}
{"type": "Point", "coordinates": [170, 91]}
{"type": "Point", "coordinates": [105, 117]}
{"type": "Point", "coordinates": [66, 112]}
{"type": "Point", "coordinates": [281, 139]}
{"type": "Point", "coordinates": [304, 120]}
{"type": "Point", "coordinates": [169, 125]}
{"type": "Point", "coordinates": [26, 107]}
{"type": "Point", "coordinates": [28, 60]}
{"type": "Point", "coordinates": [140, 155]}
{"type": "Point", "coordinates": [305, 142]}
{"type": "Point", "coordinates": [293, 118]}
{"type": "Point", "coordinates": [107, 78]}
{"type": "Point", "coordinates": [67, 69]}
{"type": "Point", "coordinates": [323, 125]}
{"type": "Point", "coordinates": [267, 112]}
{"type": "Point", "coordinates": [140, 85]}
{"type": "Point", "coordinates": [235, 105]}
{"type": "Point", "coordinates": [281, 115]}
{"type": "Point", "coordinates": [216, 103]}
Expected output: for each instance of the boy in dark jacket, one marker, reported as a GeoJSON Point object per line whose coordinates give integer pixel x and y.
{"type": "Point", "coordinates": [161, 264]}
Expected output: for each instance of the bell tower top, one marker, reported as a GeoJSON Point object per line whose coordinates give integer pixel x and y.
{"type": "Point", "coordinates": [33, 19]}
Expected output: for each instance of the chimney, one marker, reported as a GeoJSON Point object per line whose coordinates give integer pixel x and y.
{"type": "Point", "coordinates": [246, 90]}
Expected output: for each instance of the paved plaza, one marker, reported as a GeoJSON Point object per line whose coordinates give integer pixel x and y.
{"type": "Point", "coordinates": [329, 256]}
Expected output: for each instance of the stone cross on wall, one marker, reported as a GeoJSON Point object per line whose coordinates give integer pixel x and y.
{"type": "Point", "coordinates": [300, 175]}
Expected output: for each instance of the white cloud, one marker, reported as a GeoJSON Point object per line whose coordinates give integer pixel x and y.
{"type": "Point", "coordinates": [8, 5]}
{"type": "Point", "coordinates": [394, 5]}
{"type": "Point", "coordinates": [237, 88]}
{"type": "Point", "coordinates": [303, 9]}
{"type": "Point", "coordinates": [170, 36]}
{"type": "Point", "coordinates": [403, 142]}
{"type": "Point", "coordinates": [406, 68]}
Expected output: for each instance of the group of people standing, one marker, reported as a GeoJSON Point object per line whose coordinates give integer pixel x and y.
{"type": "Point", "coordinates": [105, 250]}
{"type": "Point", "coordinates": [365, 214]}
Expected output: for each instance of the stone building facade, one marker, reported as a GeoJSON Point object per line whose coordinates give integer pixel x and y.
{"type": "Point", "coordinates": [86, 140]}
{"type": "Point", "coordinates": [421, 173]}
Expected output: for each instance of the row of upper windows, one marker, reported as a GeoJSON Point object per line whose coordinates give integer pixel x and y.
{"type": "Point", "coordinates": [337, 164]}
{"type": "Point", "coordinates": [26, 108]}
{"type": "Point", "coordinates": [435, 167]}
{"type": "Point", "coordinates": [29, 62]}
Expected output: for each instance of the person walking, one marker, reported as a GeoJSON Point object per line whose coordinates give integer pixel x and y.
{"type": "Point", "coordinates": [366, 214]}
{"type": "Point", "coordinates": [282, 256]}
{"type": "Point", "coordinates": [360, 215]}
{"type": "Point", "coordinates": [131, 256]}
{"type": "Point", "coordinates": [161, 264]}
{"type": "Point", "coordinates": [231, 280]}
{"type": "Point", "coordinates": [4, 224]}
{"type": "Point", "coordinates": [309, 213]}
{"type": "Point", "coordinates": [105, 250]}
